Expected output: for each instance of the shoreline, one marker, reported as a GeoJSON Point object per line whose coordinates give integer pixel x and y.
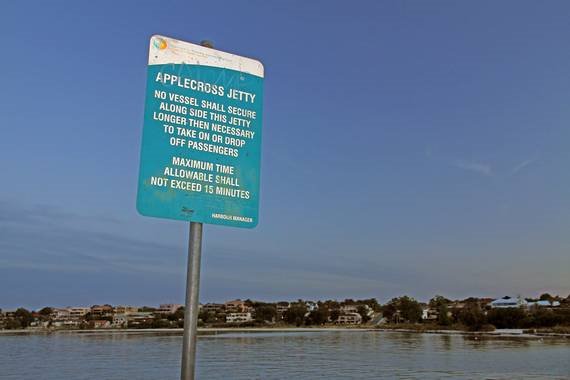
{"type": "Point", "coordinates": [207, 331]}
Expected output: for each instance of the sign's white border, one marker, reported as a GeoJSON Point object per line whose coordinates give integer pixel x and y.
{"type": "Point", "coordinates": [166, 50]}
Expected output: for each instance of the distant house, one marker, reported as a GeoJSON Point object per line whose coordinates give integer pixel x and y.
{"type": "Point", "coordinates": [9, 314]}
{"type": "Point", "coordinates": [139, 317]}
{"type": "Point", "coordinates": [101, 310]}
{"type": "Point", "coordinates": [238, 317]}
{"type": "Point", "coordinates": [60, 314]}
{"type": "Point", "coordinates": [311, 306]}
{"type": "Point", "coordinates": [349, 308]}
{"type": "Point", "coordinates": [122, 309]}
{"type": "Point", "coordinates": [349, 319]}
{"type": "Point", "coordinates": [213, 307]}
{"type": "Point", "coordinates": [39, 324]}
{"type": "Point", "coordinates": [101, 324]}
{"type": "Point", "coordinates": [282, 307]}
{"type": "Point", "coordinates": [543, 303]}
{"type": "Point", "coordinates": [236, 306]}
{"type": "Point", "coordinates": [66, 323]}
{"type": "Point", "coordinates": [353, 308]}
{"type": "Point", "coordinates": [456, 306]}
{"type": "Point", "coordinates": [120, 320]}
{"type": "Point", "coordinates": [430, 314]}
{"type": "Point", "coordinates": [72, 323]}
{"type": "Point", "coordinates": [508, 302]}
{"type": "Point", "coordinates": [168, 308]}
{"type": "Point", "coordinates": [78, 312]}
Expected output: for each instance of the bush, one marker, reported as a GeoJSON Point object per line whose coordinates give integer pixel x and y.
{"type": "Point", "coordinates": [472, 317]}
{"type": "Point", "coordinates": [443, 318]}
{"type": "Point", "coordinates": [511, 318]}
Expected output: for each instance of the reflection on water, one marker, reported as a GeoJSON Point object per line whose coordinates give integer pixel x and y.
{"type": "Point", "coordinates": [446, 342]}
{"type": "Point", "coordinates": [334, 354]}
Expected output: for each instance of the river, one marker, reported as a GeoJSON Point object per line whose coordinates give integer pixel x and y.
{"type": "Point", "coordinates": [283, 355]}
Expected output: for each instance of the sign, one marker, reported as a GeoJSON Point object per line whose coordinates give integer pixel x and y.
{"type": "Point", "coordinates": [201, 144]}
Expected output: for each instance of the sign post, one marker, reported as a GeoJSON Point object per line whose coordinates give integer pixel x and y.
{"type": "Point", "coordinates": [192, 301]}
{"type": "Point", "coordinates": [201, 150]}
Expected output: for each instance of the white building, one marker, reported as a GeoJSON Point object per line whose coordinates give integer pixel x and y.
{"type": "Point", "coordinates": [508, 302]}
{"type": "Point", "coordinates": [60, 314]}
{"type": "Point", "coordinates": [349, 319]}
{"type": "Point", "coordinates": [346, 309]}
{"type": "Point", "coordinates": [349, 309]}
{"type": "Point", "coordinates": [66, 323]}
{"type": "Point", "coordinates": [544, 303]}
{"type": "Point", "coordinates": [101, 324]}
{"type": "Point", "coordinates": [430, 314]}
{"type": "Point", "coordinates": [120, 320]}
{"type": "Point", "coordinates": [238, 317]}
{"type": "Point", "coordinates": [311, 306]}
{"type": "Point", "coordinates": [39, 324]}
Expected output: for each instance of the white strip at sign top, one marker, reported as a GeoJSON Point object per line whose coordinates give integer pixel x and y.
{"type": "Point", "coordinates": [166, 50]}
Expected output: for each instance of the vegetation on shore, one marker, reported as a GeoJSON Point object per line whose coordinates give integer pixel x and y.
{"type": "Point", "coordinates": [440, 313]}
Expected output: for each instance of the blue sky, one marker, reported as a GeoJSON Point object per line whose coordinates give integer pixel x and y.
{"type": "Point", "coordinates": [413, 148]}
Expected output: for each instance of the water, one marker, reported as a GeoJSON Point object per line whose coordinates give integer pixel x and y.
{"type": "Point", "coordinates": [278, 355]}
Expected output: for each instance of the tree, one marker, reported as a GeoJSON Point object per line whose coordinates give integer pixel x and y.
{"type": "Point", "coordinates": [12, 324]}
{"type": "Point", "coordinates": [265, 313]}
{"type": "Point", "coordinates": [410, 309]}
{"type": "Point", "coordinates": [177, 315]}
{"type": "Point", "coordinates": [443, 318]}
{"type": "Point", "coordinates": [389, 310]}
{"type": "Point", "coordinates": [472, 316]}
{"type": "Point", "coordinates": [546, 297]}
{"type": "Point", "coordinates": [295, 315]}
{"type": "Point", "coordinates": [437, 301]}
{"type": "Point", "coordinates": [319, 316]}
{"type": "Point", "coordinates": [331, 304]}
{"type": "Point", "coordinates": [159, 323]}
{"type": "Point", "coordinates": [206, 316]}
{"type": "Point", "coordinates": [46, 311]}
{"type": "Point", "coordinates": [363, 311]}
{"type": "Point", "coordinates": [334, 314]}
{"type": "Point", "coordinates": [405, 308]}
{"type": "Point", "coordinates": [371, 302]}
{"type": "Point", "coordinates": [24, 316]}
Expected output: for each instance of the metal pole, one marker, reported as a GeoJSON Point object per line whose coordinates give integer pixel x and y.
{"type": "Point", "coordinates": [191, 304]}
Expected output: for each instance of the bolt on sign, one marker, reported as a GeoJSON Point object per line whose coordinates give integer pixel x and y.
{"type": "Point", "coordinates": [201, 144]}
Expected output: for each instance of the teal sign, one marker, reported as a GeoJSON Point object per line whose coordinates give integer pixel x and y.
{"type": "Point", "coordinates": [201, 144]}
